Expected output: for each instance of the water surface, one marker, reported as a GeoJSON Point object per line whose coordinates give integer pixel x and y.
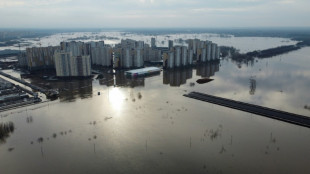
{"type": "Point", "coordinates": [146, 125]}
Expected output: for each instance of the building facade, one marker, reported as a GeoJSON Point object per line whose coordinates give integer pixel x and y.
{"type": "Point", "coordinates": [68, 65]}
{"type": "Point", "coordinates": [40, 57]}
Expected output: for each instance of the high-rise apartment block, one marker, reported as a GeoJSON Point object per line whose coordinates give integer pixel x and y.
{"type": "Point", "coordinates": [138, 58]}
{"type": "Point", "coordinates": [22, 60]}
{"type": "Point", "coordinates": [129, 54]}
{"type": "Point", "coordinates": [75, 58]}
{"type": "Point", "coordinates": [154, 55]}
{"type": "Point", "coordinates": [168, 59]}
{"type": "Point", "coordinates": [68, 65]}
{"type": "Point", "coordinates": [40, 57]}
{"type": "Point", "coordinates": [200, 51]}
{"type": "Point", "coordinates": [204, 51]}
{"type": "Point", "coordinates": [76, 48]}
{"type": "Point", "coordinates": [101, 54]}
{"type": "Point", "coordinates": [170, 44]}
{"type": "Point", "coordinates": [153, 42]}
{"type": "Point", "coordinates": [179, 56]}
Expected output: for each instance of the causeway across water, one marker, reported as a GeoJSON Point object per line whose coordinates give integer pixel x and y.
{"type": "Point", "coordinates": [255, 109]}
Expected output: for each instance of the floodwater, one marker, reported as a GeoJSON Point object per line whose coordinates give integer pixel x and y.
{"type": "Point", "coordinates": [146, 125]}
{"type": "Point", "coordinates": [244, 44]}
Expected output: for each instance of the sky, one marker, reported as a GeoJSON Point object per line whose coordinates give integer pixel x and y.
{"type": "Point", "coordinates": [153, 13]}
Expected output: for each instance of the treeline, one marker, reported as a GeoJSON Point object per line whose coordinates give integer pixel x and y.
{"type": "Point", "coordinates": [9, 43]}
{"type": "Point", "coordinates": [226, 51]}
{"type": "Point", "coordinates": [273, 51]}
{"type": "Point", "coordinates": [236, 55]}
{"type": "Point", "coordinates": [233, 53]}
{"type": "Point", "coordinates": [304, 41]}
{"type": "Point", "coordinates": [7, 53]}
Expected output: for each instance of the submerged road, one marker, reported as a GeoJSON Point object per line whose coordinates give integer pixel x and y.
{"type": "Point", "coordinates": [255, 109]}
{"type": "Point", "coordinates": [23, 82]}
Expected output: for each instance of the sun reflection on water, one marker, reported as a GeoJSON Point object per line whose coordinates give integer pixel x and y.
{"type": "Point", "coordinates": [116, 98]}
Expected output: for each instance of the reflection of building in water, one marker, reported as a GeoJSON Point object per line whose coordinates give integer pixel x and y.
{"type": "Point", "coordinates": [252, 86]}
{"type": "Point", "coordinates": [251, 62]}
{"type": "Point", "coordinates": [177, 77]}
{"type": "Point", "coordinates": [246, 62]}
{"type": "Point", "coordinates": [107, 80]}
{"type": "Point", "coordinates": [121, 80]}
{"type": "Point", "coordinates": [207, 69]}
{"type": "Point", "coordinates": [71, 90]}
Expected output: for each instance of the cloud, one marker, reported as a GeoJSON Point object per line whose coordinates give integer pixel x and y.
{"type": "Point", "coordinates": [287, 2]}
{"type": "Point", "coordinates": [146, 1]}
{"type": "Point", "coordinates": [28, 3]}
{"type": "Point", "coordinates": [47, 2]}
{"type": "Point", "coordinates": [4, 3]}
{"type": "Point", "coordinates": [223, 10]}
{"type": "Point", "coordinates": [148, 13]}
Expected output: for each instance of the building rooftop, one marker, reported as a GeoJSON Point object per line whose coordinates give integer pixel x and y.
{"type": "Point", "coordinates": [142, 71]}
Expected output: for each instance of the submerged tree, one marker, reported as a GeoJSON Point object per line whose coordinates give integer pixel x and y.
{"type": "Point", "coordinates": [5, 130]}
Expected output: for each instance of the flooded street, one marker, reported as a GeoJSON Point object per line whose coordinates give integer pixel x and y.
{"type": "Point", "coordinates": [146, 125]}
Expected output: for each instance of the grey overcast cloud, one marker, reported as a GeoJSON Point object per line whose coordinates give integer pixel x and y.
{"type": "Point", "coordinates": [153, 13]}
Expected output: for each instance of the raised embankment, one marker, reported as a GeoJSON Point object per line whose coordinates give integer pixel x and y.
{"type": "Point", "coordinates": [255, 109]}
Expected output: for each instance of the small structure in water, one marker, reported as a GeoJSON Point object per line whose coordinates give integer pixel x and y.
{"type": "Point", "coordinates": [52, 93]}
{"type": "Point", "coordinates": [205, 80]}
{"type": "Point", "coordinates": [142, 71]}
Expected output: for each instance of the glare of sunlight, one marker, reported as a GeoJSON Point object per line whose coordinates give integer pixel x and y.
{"type": "Point", "coordinates": [116, 98]}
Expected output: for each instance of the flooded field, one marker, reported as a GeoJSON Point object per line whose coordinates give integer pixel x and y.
{"type": "Point", "coordinates": [241, 43]}
{"type": "Point", "coordinates": [146, 125]}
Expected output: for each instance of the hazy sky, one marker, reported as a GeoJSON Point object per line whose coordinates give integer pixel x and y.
{"type": "Point", "coordinates": [153, 13]}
